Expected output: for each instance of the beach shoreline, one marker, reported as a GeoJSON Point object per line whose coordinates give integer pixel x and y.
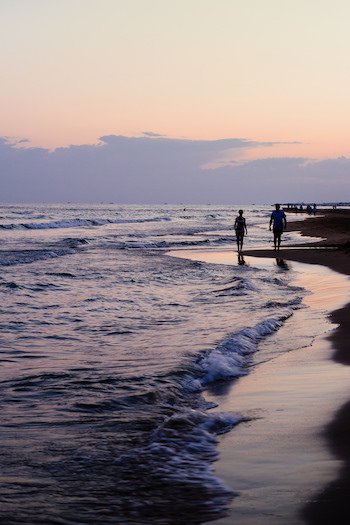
{"type": "Point", "coordinates": [332, 503]}
{"type": "Point", "coordinates": [333, 251]}
{"type": "Point", "coordinates": [333, 226]}
{"type": "Point", "coordinates": [280, 461]}
{"type": "Point", "coordinates": [329, 503]}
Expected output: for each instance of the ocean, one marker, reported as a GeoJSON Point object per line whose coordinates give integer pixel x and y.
{"type": "Point", "coordinates": [108, 345]}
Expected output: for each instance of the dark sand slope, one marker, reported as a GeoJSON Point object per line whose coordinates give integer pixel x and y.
{"type": "Point", "coordinates": [331, 505]}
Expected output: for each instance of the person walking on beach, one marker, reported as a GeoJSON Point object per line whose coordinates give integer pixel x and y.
{"type": "Point", "coordinates": [279, 221]}
{"type": "Point", "coordinates": [240, 229]}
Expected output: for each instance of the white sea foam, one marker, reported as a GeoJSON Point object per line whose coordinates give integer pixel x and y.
{"type": "Point", "coordinates": [181, 451]}
{"type": "Point", "coordinates": [229, 359]}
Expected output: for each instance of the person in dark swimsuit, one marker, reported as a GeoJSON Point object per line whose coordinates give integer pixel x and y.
{"type": "Point", "coordinates": [240, 229]}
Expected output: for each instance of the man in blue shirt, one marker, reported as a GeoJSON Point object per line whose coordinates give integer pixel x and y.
{"type": "Point", "coordinates": [279, 221]}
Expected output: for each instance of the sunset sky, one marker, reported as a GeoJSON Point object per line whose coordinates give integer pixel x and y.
{"type": "Point", "coordinates": [273, 73]}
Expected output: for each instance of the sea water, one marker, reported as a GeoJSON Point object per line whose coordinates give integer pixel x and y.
{"type": "Point", "coordinates": [108, 345]}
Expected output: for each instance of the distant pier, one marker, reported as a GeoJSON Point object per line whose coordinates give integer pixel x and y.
{"type": "Point", "coordinates": [312, 208]}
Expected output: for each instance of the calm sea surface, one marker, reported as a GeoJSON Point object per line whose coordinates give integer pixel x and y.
{"type": "Point", "coordinates": [107, 347]}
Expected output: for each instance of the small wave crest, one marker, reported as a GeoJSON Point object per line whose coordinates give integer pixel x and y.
{"type": "Point", "coordinates": [77, 223]}
{"type": "Point", "coordinates": [238, 287]}
{"type": "Point", "coordinates": [177, 462]}
{"type": "Point", "coordinates": [169, 244]}
{"type": "Point", "coordinates": [230, 358]}
{"type": "Point", "coordinates": [29, 256]}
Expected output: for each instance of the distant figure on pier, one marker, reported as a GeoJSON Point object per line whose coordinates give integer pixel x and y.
{"type": "Point", "coordinates": [279, 221]}
{"type": "Point", "coordinates": [240, 229]}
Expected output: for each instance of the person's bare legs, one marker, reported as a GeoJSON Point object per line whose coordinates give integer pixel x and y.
{"type": "Point", "coordinates": [277, 240]}
{"type": "Point", "coordinates": [239, 243]}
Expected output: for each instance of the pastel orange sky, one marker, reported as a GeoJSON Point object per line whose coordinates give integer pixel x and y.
{"type": "Point", "coordinates": [267, 70]}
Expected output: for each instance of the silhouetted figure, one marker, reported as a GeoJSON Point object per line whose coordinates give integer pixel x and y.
{"type": "Point", "coordinates": [241, 260]}
{"type": "Point", "coordinates": [240, 229]}
{"type": "Point", "coordinates": [279, 221]}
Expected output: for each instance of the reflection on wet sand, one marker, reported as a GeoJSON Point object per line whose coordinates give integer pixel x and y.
{"type": "Point", "coordinates": [282, 263]}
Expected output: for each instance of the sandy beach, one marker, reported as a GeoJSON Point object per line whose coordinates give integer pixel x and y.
{"type": "Point", "coordinates": [290, 463]}
{"type": "Point", "coordinates": [331, 504]}
{"type": "Point", "coordinates": [280, 461]}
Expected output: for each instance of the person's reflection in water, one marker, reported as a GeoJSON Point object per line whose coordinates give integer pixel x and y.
{"type": "Point", "coordinates": [241, 260]}
{"type": "Point", "coordinates": [282, 264]}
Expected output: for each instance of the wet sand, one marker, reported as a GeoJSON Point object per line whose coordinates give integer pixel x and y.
{"type": "Point", "coordinates": [291, 461]}
{"type": "Point", "coordinates": [280, 461]}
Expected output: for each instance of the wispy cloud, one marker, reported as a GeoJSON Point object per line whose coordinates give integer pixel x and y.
{"type": "Point", "coordinates": [151, 134]}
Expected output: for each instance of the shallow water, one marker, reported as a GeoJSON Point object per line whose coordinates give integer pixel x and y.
{"type": "Point", "coordinates": [107, 345]}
